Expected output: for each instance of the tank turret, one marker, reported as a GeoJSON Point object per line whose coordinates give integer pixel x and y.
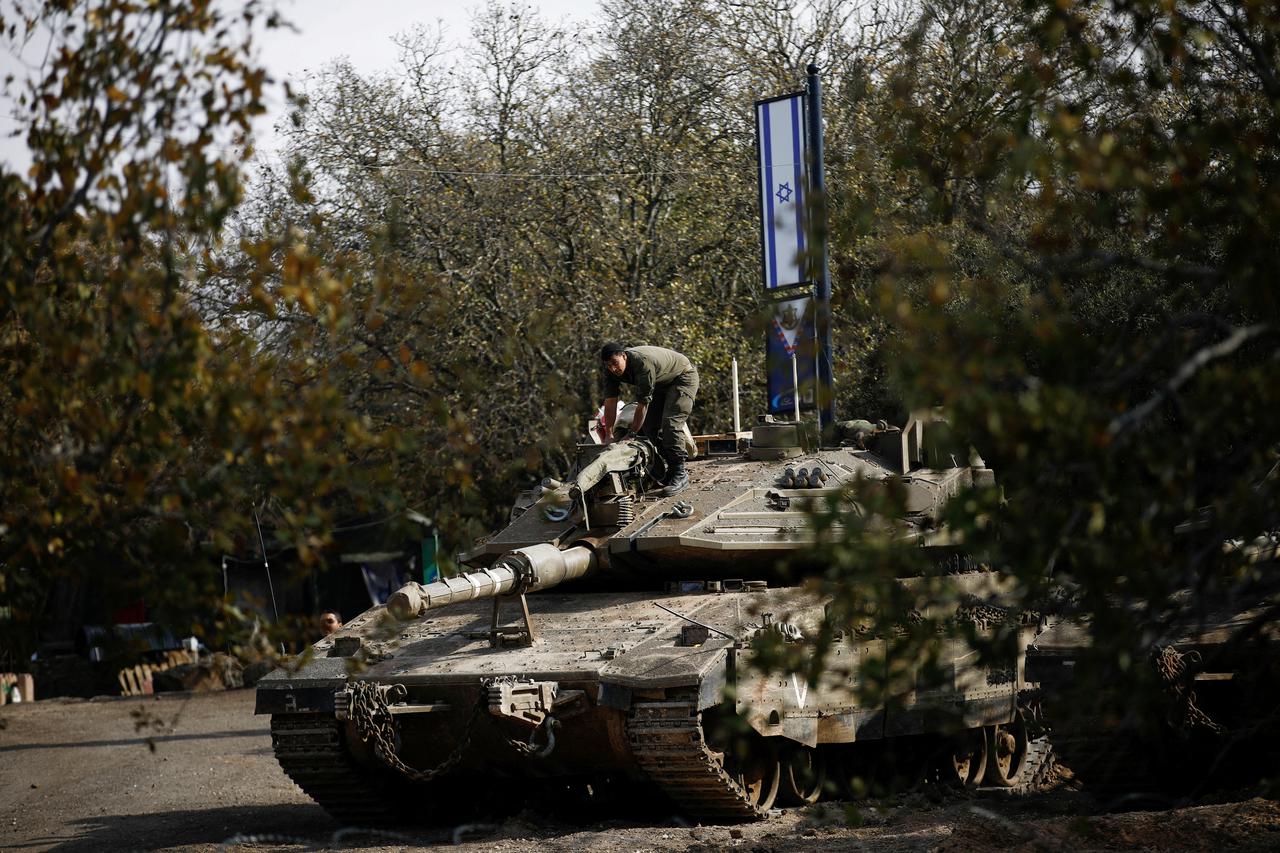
{"type": "Point", "coordinates": [747, 505]}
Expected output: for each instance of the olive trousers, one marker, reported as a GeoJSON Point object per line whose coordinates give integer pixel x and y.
{"type": "Point", "coordinates": [670, 409]}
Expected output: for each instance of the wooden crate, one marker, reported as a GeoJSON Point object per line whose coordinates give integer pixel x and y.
{"type": "Point", "coordinates": [721, 443]}
{"type": "Point", "coordinates": [136, 680]}
{"type": "Point", "coordinates": [25, 682]}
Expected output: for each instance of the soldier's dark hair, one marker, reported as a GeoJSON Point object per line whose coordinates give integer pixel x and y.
{"type": "Point", "coordinates": [611, 349]}
{"type": "Point", "coordinates": [336, 614]}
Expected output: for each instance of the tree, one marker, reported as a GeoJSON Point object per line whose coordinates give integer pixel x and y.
{"type": "Point", "coordinates": [1085, 286]}
{"type": "Point", "coordinates": [138, 441]}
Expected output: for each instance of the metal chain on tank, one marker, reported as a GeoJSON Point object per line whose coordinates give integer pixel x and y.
{"type": "Point", "coordinates": [982, 615]}
{"type": "Point", "coordinates": [531, 748]}
{"type": "Point", "coordinates": [1171, 665]}
{"type": "Point", "coordinates": [375, 723]}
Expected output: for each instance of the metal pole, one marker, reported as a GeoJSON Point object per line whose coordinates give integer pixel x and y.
{"type": "Point", "coordinates": [818, 231]}
{"type": "Point", "coordinates": [737, 417]}
{"type": "Point", "coordinates": [795, 386]}
{"type": "Point", "coordinates": [270, 586]}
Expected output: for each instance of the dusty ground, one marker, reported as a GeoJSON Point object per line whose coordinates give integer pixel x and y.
{"type": "Point", "coordinates": [196, 773]}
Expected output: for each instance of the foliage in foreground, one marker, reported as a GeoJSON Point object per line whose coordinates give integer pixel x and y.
{"type": "Point", "coordinates": [1091, 297]}
{"type": "Point", "coordinates": [138, 442]}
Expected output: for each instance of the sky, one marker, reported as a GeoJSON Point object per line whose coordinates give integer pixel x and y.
{"type": "Point", "coordinates": [325, 30]}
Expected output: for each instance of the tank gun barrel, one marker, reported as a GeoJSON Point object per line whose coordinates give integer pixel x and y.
{"type": "Point", "coordinates": [522, 570]}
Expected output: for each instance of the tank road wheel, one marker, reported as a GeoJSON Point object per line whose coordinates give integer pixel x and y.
{"type": "Point", "coordinates": [759, 773]}
{"type": "Point", "coordinates": [1007, 748]}
{"type": "Point", "coordinates": [854, 769]}
{"type": "Point", "coordinates": [804, 773]}
{"type": "Point", "coordinates": [963, 760]}
{"type": "Point", "coordinates": [752, 763]}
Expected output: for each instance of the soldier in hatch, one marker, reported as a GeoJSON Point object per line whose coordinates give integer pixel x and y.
{"type": "Point", "coordinates": [665, 383]}
{"type": "Point", "coordinates": [330, 621]}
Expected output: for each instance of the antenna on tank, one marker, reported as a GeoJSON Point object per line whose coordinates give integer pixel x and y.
{"type": "Point", "coordinates": [826, 392]}
{"type": "Point", "coordinates": [795, 384]}
{"type": "Point", "coordinates": [737, 417]}
{"type": "Point", "coordinates": [267, 566]}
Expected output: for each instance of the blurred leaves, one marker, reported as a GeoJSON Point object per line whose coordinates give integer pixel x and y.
{"type": "Point", "coordinates": [138, 439]}
{"type": "Point", "coordinates": [1075, 255]}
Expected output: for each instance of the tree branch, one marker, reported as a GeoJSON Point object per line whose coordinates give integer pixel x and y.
{"type": "Point", "coordinates": [1122, 424]}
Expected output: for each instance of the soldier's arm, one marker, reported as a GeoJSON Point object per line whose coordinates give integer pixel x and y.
{"type": "Point", "coordinates": [638, 420]}
{"type": "Point", "coordinates": [610, 415]}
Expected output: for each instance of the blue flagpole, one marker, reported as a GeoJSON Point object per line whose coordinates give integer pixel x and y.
{"type": "Point", "coordinates": [818, 230]}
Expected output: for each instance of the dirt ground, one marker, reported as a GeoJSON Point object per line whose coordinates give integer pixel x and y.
{"type": "Point", "coordinates": [196, 773]}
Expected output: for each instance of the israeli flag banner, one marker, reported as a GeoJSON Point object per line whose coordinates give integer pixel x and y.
{"type": "Point", "coordinates": [780, 143]}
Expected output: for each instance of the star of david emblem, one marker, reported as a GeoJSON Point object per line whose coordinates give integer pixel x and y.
{"type": "Point", "coordinates": [784, 193]}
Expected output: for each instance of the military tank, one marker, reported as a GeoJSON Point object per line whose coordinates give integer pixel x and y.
{"type": "Point", "coordinates": [604, 637]}
{"type": "Point", "coordinates": [1199, 711]}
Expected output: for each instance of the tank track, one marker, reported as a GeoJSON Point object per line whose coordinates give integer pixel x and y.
{"type": "Point", "coordinates": [311, 748]}
{"type": "Point", "coordinates": [1038, 764]}
{"type": "Point", "coordinates": [1035, 771]}
{"type": "Point", "coordinates": [667, 740]}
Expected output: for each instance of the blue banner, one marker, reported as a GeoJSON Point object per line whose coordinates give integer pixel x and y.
{"type": "Point", "coordinates": [792, 329]}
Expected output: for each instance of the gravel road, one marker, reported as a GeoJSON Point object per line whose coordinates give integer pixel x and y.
{"type": "Point", "coordinates": [196, 773]}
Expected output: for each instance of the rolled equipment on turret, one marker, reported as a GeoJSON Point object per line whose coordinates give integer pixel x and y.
{"type": "Point", "coordinates": [616, 458]}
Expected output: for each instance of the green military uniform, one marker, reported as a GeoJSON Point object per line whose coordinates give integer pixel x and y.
{"type": "Point", "coordinates": [667, 382]}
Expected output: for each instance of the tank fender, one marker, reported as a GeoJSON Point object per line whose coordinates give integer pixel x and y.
{"type": "Point", "coordinates": [291, 699]}
{"type": "Point", "coordinates": [617, 696]}
{"type": "Point", "coordinates": [306, 689]}
{"type": "Point", "coordinates": [664, 670]}
{"type": "Point", "coordinates": [711, 691]}
{"type": "Point", "coordinates": [710, 683]}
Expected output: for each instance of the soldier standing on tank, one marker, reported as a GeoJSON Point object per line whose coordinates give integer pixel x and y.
{"type": "Point", "coordinates": [666, 382]}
